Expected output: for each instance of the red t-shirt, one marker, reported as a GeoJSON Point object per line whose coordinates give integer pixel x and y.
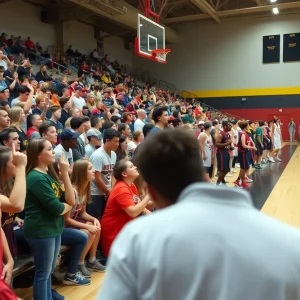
{"type": "Point", "coordinates": [30, 131]}
{"type": "Point", "coordinates": [5, 292]}
{"type": "Point", "coordinates": [115, 217]}
{"type": "Point", "coordinates": [29, 44]}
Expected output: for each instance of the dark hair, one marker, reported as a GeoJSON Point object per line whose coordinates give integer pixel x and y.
{"type": "Point", "coordinates": [250, 122]}
{"type": "Point", "coordinates": [109, 134]}
{"type": "Point", "coordinates": [122, 127]}
{"type": "Point", "coordinates": [225, 123]}
{"type": "Point", "coordinates": [176, 113]}
{"type": "Point", "coordinates": [243, 124]}
{"type": "Point", "coordinates": [63, 101]}
{"type": "Point", "coordinates": [22, 89]}
{"type": "Point", "coordinates": [174, 148]}
{"type": "Point", "coordinates": [125, 116]}
{"type": "Point", "coordinates": [94, 120]}
{"type": "Point", "coordinates": [115, 119]}
{"type": "Point", "coordinates": [76, 122]}
{"type": "Point", "coordinates": [207, 125]}
{"type": "Point", "coordinates": [147, 128]}
{"type": "Point", "coordinates": [261, 123]}
{"type": "Point", "coordinates": [112, 110]}
{"type": "Point", "coordinates": [215, 122]}
{"type": "Point", "coordinates": [35, 147]}
{"type": "Point", "coordinates": [45, 127]}
{"type": "Point", "coordinates": [119, 168]}
{"type": "Point", "coordinates": [121, 154]}
{"type": "Point", "coordinates": [30, 119]}
{"type": "Point", "coordinates": [157, 112]}
{"type": "Point", "coordinates": [108, 124]}
{"type": "Point", "coordinates": [54, 108]}
{"type": "Point", "coordinates": [4, 134]}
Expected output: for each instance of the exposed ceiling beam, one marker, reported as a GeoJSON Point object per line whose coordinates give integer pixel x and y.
{"type": "Point", "coordinates": [90, 7]}
{"type": "Point", "coordinates": [188, 18]}
{"type": "Point", "coordinates": [234, 12]}
{"type": "Point", "coordinates": [258, 9]}
{"type": "Point", "coordinates": [128, 18]}
{"type": "Point", "coordinates": [206, 8]}
{"type": "Point", "coordinates": [176, 2]}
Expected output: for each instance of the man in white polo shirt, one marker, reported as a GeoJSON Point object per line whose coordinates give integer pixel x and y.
{"type": "Point", "coordinates": [206, 243]}
{"type": "Point", "coordinates": [140, 121]}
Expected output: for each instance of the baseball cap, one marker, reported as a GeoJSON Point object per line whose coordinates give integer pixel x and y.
{"type": "Point", "coordinates": [93, 132]}
{"type": "Point", "coordinates": [69, 134]}
{"type": "Point", "coordinates": [201, 123]}
{"type": "Point", "coordinates": [3, 88]}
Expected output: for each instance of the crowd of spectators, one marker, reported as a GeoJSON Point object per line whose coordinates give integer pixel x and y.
{"type": "Point", "coordinates": [77, 140]}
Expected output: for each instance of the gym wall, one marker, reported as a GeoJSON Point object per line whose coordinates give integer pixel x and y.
{"type": "Point", "coordinates": [21, 18]}
{"type": "Point", "coordinates": [222, 64]}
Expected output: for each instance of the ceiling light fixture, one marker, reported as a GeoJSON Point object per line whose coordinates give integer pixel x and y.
{"type": "Point", "coordinates": [273, 1]}
{"type": "Point", "coordinates": [275, 11]}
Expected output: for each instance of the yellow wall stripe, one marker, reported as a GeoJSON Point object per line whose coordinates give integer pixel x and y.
{"type": "Point", "coordinates": [243, 92]}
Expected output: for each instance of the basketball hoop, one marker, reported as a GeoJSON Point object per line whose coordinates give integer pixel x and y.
{"type": "Point", "coordinates": [160, 54]}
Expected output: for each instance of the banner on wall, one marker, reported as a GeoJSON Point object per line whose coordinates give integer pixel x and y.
{"type": "Point", "coordinates": [271, 49]}
{"type": "Point", "coordinates": [291, 47]}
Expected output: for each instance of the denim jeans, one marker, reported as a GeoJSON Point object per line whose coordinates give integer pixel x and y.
{"type": "Point", "coordinates": [77, 239]}
{"type": "Point", "coordinates": [45, 253]}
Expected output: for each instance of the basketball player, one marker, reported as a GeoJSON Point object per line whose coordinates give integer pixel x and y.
{"type": "Point", "coordinates": [206, 147]}
{"type": "Point", "coordinates": [236, 130]}
{"type": "Point", "coordinates": [223, 142]}
{"type": "Point", "coordinates": [214, 132]}
{"type": "Point", "coordinates": [244, 147]}
{"type": "Point", "coordinates": [276, 139]}
{"type": "Point", "coordinates": [259, 138]}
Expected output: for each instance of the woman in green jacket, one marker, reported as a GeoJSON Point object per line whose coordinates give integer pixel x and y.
{"type": "Point", "coordinates": [47, 200]}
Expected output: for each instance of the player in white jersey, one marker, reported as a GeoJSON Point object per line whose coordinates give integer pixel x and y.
{"type": "Point", "coordinates": [206, 146]}
{"type": "Point", "coordinates": [276, 139]}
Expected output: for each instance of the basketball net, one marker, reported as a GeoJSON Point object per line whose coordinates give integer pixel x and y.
{"type": "Point", "coordinates": [160, 54]}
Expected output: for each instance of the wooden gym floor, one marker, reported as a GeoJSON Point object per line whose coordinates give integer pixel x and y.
{"type": "Point", "coordinates": [275, 192]}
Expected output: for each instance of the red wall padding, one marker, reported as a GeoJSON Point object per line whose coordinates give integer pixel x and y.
{"type": "Point", "coordinates": [267, 113]}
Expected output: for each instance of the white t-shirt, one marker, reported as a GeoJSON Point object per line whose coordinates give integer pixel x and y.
{"type": "Point", "coordinates": [130, 148]}
{"type": "Point", "coordinates": [138, 125]}
{"type": "Point", "coordinates": [3, 63]}
{"type": "Point", "coordinates": [89, 149]}
{"type": "Point", "coordinates": [78, 102]}
{"type": "Point", "coordinates": [59, 149]}
{"type": "Point", "coordinates": [103, 163]}
{"type": "Point", "coordinates": [208, 149]}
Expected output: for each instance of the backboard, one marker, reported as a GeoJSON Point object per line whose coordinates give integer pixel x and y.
{"type": "Point", "coordinates": [150, 36]}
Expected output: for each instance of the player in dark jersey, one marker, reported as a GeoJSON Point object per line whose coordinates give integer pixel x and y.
{"type": "Point", "coordinates": [223, 142]}
{"type": "Point", "coordinates": [245, 145]}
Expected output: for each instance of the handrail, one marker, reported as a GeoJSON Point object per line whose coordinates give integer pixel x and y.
{"type": "Point", "coordinates": [45, 58]}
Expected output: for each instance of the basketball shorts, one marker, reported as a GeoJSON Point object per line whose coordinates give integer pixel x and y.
{"type": "Point", "coordinates": [267, 145]}
{"type": "Point", "coordinates": [250, 157]}
{"type": "Point", "coordinates": [244, 160]}
{"type": "Point", "coordinates": [259, 151]}
{"type": "Point", "coordinates": [223, 158]}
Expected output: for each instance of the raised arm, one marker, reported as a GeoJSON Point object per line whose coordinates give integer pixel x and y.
{"type": "Point", "coordinates": [16, 200]}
